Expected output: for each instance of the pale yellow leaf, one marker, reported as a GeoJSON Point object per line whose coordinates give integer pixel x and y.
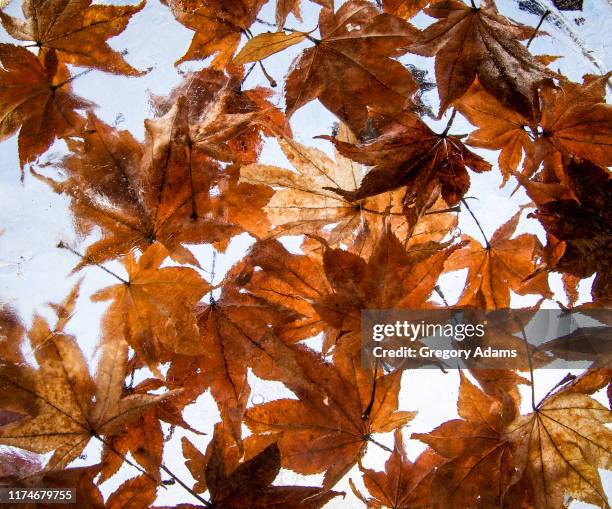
{"type": "Point", "coordinates": [264, 45]}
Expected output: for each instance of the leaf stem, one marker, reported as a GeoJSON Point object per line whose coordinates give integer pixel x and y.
{"type": "Point", "coordinates": [566, 379]}
{"type": "Point", "coordinates": [72, 78]}
{"type": "Point", "coordinates": [62, 245]}
{"type": "Point", "coordinates": [249, 71]}
{"type": "Point", "coordinates": [438, 290]}
{"type": "Point", "coordinates": [535, 32]}
{"type": "Point", "coordinates": [270, 79]}
{"type": "Point", "coordinates": [382, 446]}
{"type": "Point", "coordinates": [366, 413]}
{"type": "Point", "coordinates": [184, 486]}
{"type": "Point", "coordinates": [477, 223]}
{"type": "Point", "coordinates": [449, 124]}
{"type": "Point", "coordinates": [524, 335]}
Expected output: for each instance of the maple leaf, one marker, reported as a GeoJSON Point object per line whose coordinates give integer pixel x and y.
{"type": "Point", "coordinates": [166, 190]}
{"type": "Point", "coordinates": [218, 26]}
{"type": "Point", "coordinates": [224, 120]}
{"type": "Point", "coordinates": [478, 41]}
{"type": "Point", "coordinates": [503, 264]}
{"type": "Point", "coordinates": [336, 414]}
{"type": "Point", "coordinates": [403, 484]}
{"type": "Point", "coordinates": [391, 278]}
{"type": "Point", "coordinates": [72, 407]}
{"type": "Point", "coordinates": [237, 480]}
{"type": "Point", "coordinates": [35, 97]}
{"type": "Point", "coordinates": [294, 282]}
{"type": "Point", "coordinates": [407, 153]}
{"type": "Point", "coordinates": [353, 59]}
{"type": "Point", "coordinates": [577, 214]}
{"type": "Point", "coordinates": [153, 310]}
{"type": "Point", "coordinates": [560, 446]}
{"type": "Point", "coordinates": [303, 203]}
{"type": "Point", "coordinates": [499, 128]}
{"type": "Point", "coordinates": [574, 119]}
{"type": "Point", "coordinates": [143, 438]}
{"type": "Point", "coordinates": [235, 332]}
{"type": "Point", "coordinates": [76, 30]}
{"type": "Point", "coordinates": [480, 462]}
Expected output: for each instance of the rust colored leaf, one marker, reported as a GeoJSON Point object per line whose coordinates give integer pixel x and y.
{"type": "Point", "coordinates": [336, 414]}
{"type": "Point", "coordinates": [153, 310]}
{"type": "Point", "coordinates": [304, 204]}
{"type": "Point", "coordinates": [578, 214]}
{"type": "Point", "coordinates": [576, 120]}
{"type": "Point", "coordinates": [168, 190]}
{"type": "Point", "coordinates": [76, 30]}
{"type": "Point", "coordinates": [559, 448]}
{"type": "Point", "coordinates": [480, 462]}
{"type": "Point", "coordinates": [407, 153]}
{"type": "Point", "coordinates": [503, 264]}
{"type": "Point", "coordinates": [73, 407]}
{"type": "Point", "coordinates": [135, 493]}
{"type": "Point", "coordinates": [35, 98]}
{"type": "Point", "coordinates": [478, 41]}
{"type": "Point", "coordinates": [236, 480]}
{"type": "Point", "coordinates": [403, 484]}
{"type": "Point", "coordinates": [499, 128]}
{"type": "Point", "coordinates": [218, 26]}
{"type": "Point", "coordinates": [352, 65]}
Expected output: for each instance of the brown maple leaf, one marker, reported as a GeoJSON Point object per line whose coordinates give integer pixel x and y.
{"type": "Point", "coordinates": [236, 330]}
{"type": "Point", "coordinates": [499, 128]}
{"type": "Point", "coordinates": [76, 30]}
{"type": "Point", "coordinates": [218, 26]}
{"type": "Point", "coordinates": [167, 190]}
{"type": "Point", "coordinates": [480, 462]}
{"type": "Point", "coordinates": [154, 309]}
{"type": "Point", "coordinates": [577, 214]}
{"type": "Point", "coordinates": [478, 41]}
{"type": "Point", "coordinates": [404, 484]}
{"type": "Point", "coordinates": [302, 204]}
{"type": "Point", "coordinates": [501, 265]}
{"type": "Point", "coordinates": [391, 278]}
{"type": "Point", "coordinates": [294, 282]}
{"type": "Point", "coordinates": [338, 410]}
{"type": "Point", "coordinates": [560, 446]}
{"type": "Point", "coordinates": [35, 98]}
{"type": "Point", "coordinates": [408, 153]}
{"type": "Point", "coordinates": [574, 120]}
{"type": "Point", "coordinates": [143, 437]}
{"type": "Point", "coordinates": [352, 65]}
{"type": "Point", "coordinates": [236, 479]}
{"type": "Point", "coordinates": [72, 408]}
{"type": "Point", "coordinates": [225, 122]}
